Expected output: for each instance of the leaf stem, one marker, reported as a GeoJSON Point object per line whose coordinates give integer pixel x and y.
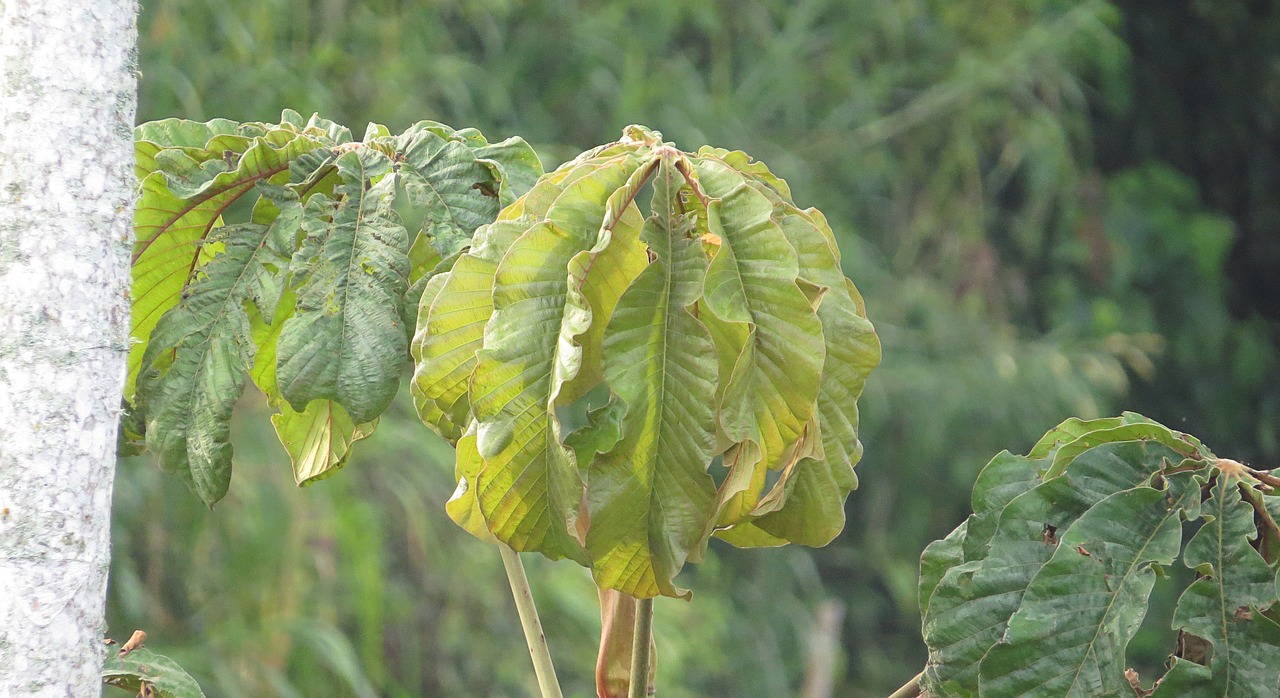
{"type": "Point", "coordinates": [640, 650]}
{"type": "Point", "coordinates": [909, 689]}
{"type": "Point", "coordinates": [538, 651]}
{"type": "Point", "coordinates": [1261, 512]}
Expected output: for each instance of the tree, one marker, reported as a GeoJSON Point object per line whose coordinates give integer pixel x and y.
{"type": "Point", "coordinates": [66, 108]}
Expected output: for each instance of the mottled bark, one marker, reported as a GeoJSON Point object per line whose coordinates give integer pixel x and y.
{"type": "Point", "coordinates": [67, 100]}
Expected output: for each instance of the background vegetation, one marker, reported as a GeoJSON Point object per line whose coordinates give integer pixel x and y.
{"type": "Point", "coordinates": [1053, 208]}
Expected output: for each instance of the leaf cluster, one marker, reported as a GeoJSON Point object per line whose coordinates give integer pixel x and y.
{"type": "Point", "coordinates": [714, 329]}
{"type": "Point", "coordinates": [293, 256]}
{"type": "Point", "coordinates": [1040, 591]}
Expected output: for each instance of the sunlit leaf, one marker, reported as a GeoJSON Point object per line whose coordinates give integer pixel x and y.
{"type": "Point", "coordinates": [529, 490]}
{"type": "Point", "coordinates": [771, 394]}
{"type": "Point", "coordinates": [659, 363]}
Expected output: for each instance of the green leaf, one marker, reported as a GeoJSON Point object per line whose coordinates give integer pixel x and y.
{"type": "Point", "coordinates": [1224, 605]}
{"type": "Point", "coordinates": [938, 557]}
{"type": "Point", "coordinates": [771, 394]}
{"type": "Point", "coordinates": [443, 191]}
{"type": "Point", "coordinates": [346, 341]}
{"type": "Point", "coordinates": [515, 164]}
{"type": "Point", "coordinates": [144, 667]}
{"type": "Point", "coordinates": [971, 606]}
{"type": "Point", "coordinates": [197, 358]}
{"type": "Point", "coordinates": [319, 438]}
{"type": "Point", "coordinates": [176, 214]}
{"type": "Point", "coordinates": [453, 313]}
{"type": "Point", "coordinates": [463, 506]}
{"type": "Point", "coordinates": [651, 497]}
{"type": "Point", "coordinates": [529, 490]}
{"type": "Point", "coordinates": [1068, 636]}
{"type": "Point", "coordinates": [806, 505]}
{"type": "Point", "coordinates": [725, 292]}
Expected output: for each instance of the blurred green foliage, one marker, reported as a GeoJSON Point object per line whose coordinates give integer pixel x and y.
{"type": "Point", "coordinates": [1028, 246]}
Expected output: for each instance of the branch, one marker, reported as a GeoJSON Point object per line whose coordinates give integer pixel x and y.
{"type": "Point", "coordinates": [910, 689]}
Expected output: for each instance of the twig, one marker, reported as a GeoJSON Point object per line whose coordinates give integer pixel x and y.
{"type": "Point", "coordinates": [910, 689]}
{"type": "Point", "coordinates": [1264, 477]}
{"type": "Point", "coordinates": [1261, 510]}
{"type": "Point", "coordinates": [533, 635]}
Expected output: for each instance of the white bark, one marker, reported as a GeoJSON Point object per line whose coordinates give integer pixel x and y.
{"type": "Point", "coordinates": [67, 101]}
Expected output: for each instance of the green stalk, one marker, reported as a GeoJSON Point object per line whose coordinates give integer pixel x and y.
{"type": "Point", "coordinates": [640, 650]}
{"type": "Point", "coordinates": [910, 689]}
{"type": "Point", "coordinates": [542, 666]}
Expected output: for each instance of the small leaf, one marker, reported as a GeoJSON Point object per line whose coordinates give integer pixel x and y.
{"type": "Point", "coordinates": [319, 438]}
{"type": "Point", "coordinates": [143, 667]}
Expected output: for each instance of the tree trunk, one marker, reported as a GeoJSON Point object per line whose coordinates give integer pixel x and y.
{"type": "Point", "coordinates": [67, 100]}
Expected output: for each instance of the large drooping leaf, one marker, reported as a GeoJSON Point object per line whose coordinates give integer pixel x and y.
{"type": "Point", "coordinates": [820, 485]}
{"type": "Point", "coordinates": [346, 339]}
{"type": "Point", "coordinates": [529, 490]}
{"type": "Point", "coordinates": [1040, 591]}
{"type": "Point", "coordinates": [696, 341]}
{"type": "Point", "coordinates": [659, 362]}
{"type": "Point", "coordinates": [325, 290]}
{"type": "Point", "coordinates": [196, 361]}
{"type": "Point", "coordinates": [771, 394]}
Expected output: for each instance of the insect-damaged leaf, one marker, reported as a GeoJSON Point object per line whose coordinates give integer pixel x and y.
{"type": "Point", "coordinates": [197, 358]}
{"type": "Point", "coordinates": [1079, 612]}
{"type": "Point", "coordinates": [1044, 597]}
{"type": "Point", "coordinates": [1224, 605]}
{"type": "Point", "coordinates": [346, 340]}
{"type": "Point", "coordinates": [971, 605]}
{"type": "Point", "coordinates": [348, 256]}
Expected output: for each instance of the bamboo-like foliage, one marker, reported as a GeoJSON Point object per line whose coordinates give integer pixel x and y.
{"type": "Point", "coordinates": [702, 318]}
{"type": "Point", "coordinates": [1040, 591]}
{"type": "Point", "coordinates": [292, 255]}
